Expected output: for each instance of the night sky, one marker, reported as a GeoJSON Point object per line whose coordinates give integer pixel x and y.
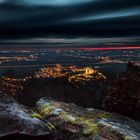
{"type": "Point", "coordinates": [70, 21]}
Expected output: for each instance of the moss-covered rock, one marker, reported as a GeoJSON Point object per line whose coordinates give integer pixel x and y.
{"type": "Point", "coordinates": [58, 120]}
{"type": "Point", "coordinates": [84, 123]}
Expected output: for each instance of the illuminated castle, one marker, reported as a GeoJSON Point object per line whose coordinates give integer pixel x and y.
{"type": "Point", "coordinates": [89, 70]}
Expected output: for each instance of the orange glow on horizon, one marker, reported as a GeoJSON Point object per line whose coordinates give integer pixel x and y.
{"type": "Point", "coordinates": [110, 48]}
{"type": "Point", "coordinates": [102, 48]}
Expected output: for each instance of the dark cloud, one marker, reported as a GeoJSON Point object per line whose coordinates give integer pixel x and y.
{"type": "Point", "coordinates": [73, 18]}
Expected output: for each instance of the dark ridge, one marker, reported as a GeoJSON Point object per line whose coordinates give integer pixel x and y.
{"type": "Point", "coordinates": [17, 136]}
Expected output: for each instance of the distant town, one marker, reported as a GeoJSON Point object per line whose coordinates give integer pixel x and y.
{"type": "Point", "coordinates": [74, 74]}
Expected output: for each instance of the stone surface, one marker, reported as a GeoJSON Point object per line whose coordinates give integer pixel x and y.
{"type": "Point", "coordinates": [54, 120]}
{"type": "Point", "coordinates": [88, 122]}
{"type": "Point", "coordinates": [15, 118]}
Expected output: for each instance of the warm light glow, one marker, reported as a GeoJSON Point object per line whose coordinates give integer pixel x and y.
{"type": "Point", "coordinates": [74, 75]}
{"type": "Point", "coordinates": [86, 48]}
{"type": "Point", "coordinates": [89, 70]}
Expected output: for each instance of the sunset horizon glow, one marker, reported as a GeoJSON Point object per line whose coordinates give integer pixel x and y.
{"type": "Point", "coordinates": [102, 48]}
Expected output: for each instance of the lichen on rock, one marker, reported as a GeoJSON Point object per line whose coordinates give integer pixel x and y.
{"type": "Point", "coordinates": [81, 121]}
{"type": "Point", "coordinates": [64, 121]}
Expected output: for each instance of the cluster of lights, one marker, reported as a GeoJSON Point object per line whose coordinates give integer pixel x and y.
{"type": "Point", "coordinates": [74, 74]}
{"type": "Point", "coordinates": [108, 59]}
{"type": "Point", "coordinates": [87, 74]}
{"type": "Point", "coordinates": [57, 71]}
{"type": "Point", "coordinates": [12, 85]}
{"type": "Point", "coordinates": [17, 58]}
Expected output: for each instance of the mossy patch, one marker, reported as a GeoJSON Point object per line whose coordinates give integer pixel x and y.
{"type": "Point", "coordinates": [36, 115]}
{"type": "Point", "coordinates": [45, 110]}
{"type": "Point", "coordinates": [50, 126]}
{"type": "Point", "coordinates": [105, 115]}
{"type": "Point", "coordinates": [91, 128]}
{"type": "Point", "coordinates": [78, 120]}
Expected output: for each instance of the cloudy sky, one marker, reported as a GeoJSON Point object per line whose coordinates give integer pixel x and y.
{"type": "Point", "coordinates": [70, 21]}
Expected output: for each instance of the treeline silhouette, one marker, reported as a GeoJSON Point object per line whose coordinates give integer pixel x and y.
{"type": "Point", "coordinates": [91, 94]}
{"type": "Point", "coordinates": [124, 93]}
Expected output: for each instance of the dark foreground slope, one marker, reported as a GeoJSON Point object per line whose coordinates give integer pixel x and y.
{"type": "Point", "coordinates": [91, 94]}
{"type": "Point", "coordinates": [60, 121]}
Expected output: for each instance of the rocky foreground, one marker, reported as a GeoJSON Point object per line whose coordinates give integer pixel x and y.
{"type": "Point", "coordinates": [60, 121]}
